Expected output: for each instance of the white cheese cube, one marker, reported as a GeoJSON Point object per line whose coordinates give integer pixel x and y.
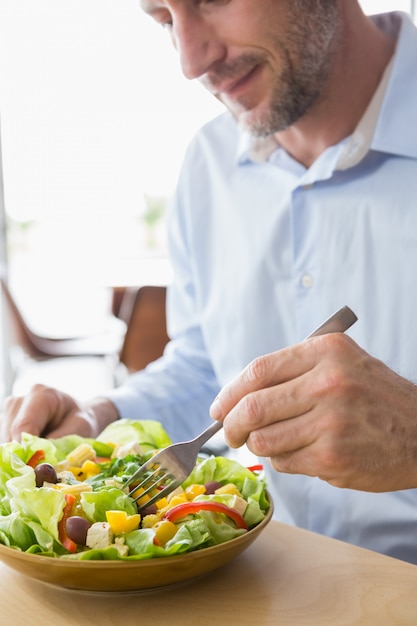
{"type": "Point", "coordinates": [99, 536]}
{"type": "Point", "coordinates": [239, 505]}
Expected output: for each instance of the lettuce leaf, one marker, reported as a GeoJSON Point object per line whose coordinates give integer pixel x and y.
{"type": "Point", "coordinates": [220, 469]}
{"type": "Point", "coordinates": [43, 505]}
{"type": "Point", "coordinates": [225, 470]}
{"type": "Point", "coordinates": [96, 503]}
{"type": "Point", "coordinates": [145, 432]}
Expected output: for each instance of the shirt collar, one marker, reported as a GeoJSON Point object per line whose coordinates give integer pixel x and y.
{"type": "Point", "coordinates": [360, 141]}
{"type": "Point", "coordinates": [396, 128]}
{"type": "Point", "coordinates": [372, 130]}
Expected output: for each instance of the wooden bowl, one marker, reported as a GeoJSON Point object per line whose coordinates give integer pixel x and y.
{"type": "Point", "coordinates": [129, 576]}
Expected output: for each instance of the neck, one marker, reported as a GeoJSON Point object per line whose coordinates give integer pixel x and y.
{"type": "Point", "coordinates": [357, 70]}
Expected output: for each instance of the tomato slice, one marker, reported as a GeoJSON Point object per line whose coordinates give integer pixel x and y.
{"type": "Point", "coordinates": [102, 459]}
{"type": "Point", "coordinates": [191, 508]}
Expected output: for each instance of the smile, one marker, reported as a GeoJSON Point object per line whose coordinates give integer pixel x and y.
{"type": "Point", "coordinates": [233, 89]}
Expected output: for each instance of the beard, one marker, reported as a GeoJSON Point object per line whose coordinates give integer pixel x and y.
{"type": "Point", "coordinates": [306, 52]}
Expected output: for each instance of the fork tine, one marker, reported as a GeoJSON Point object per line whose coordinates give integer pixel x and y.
{"type": "Point", "coordinates": [160, 494]}
{"type": "Point", "coordinates": [149, 466]}
{"type": "Point", "coordinates": [150, 483]}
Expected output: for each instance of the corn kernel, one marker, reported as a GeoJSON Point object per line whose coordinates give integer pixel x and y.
{"type": "Point", "coordinates": [73, 489]}
{"type": "Point", "coordinates": [164, 531]}
{"type": "Point", "coordinates": [81, 453]}
{"type": "Point", "coordinates": [150, 520]}
{"type": "Point", "coordinates": [192, 491]}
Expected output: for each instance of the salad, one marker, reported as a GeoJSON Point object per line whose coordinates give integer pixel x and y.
{"type": "Point", "coordinates": [66, 498]}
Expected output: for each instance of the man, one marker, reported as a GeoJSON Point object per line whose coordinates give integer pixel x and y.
{"type": "Point", "coordinates": [298, 200]}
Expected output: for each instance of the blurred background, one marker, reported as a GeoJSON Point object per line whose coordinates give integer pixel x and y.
{"type": "Point", "coordinates": [95, 117]}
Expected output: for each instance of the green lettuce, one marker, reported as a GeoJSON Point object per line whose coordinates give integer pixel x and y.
{"type": "Point", "coordinates": [96, 503]}
{"type": "Point", "coordinates": [224, 470]}
{"type": "Point", "coordinates": [29, 516]}
{"type": "Point", "coordinates": [44, 506]}
{"type": "Point", "coordinates": [146, 433]}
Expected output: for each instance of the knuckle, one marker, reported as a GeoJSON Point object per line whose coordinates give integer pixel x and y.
{"type": "Point", "coordinates": [258, 443]}
{"type": "Point", "coordinates": [37, 388]}
{"type": "Point", "coordinates": [332, 383]}
{"type": "Point", "coordinates": [256, 371]}
{"type": "Point", "coordinates": [336, 342]}
{"type": "Point", "coordinates": [329, 460]}
{"type": "Point", "coordinates": [251, 409]}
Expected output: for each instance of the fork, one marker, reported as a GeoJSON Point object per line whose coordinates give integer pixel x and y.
{"type": "Point", "coordinates": [168, 469]}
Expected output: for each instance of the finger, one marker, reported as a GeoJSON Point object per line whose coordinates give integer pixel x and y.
{"type": "Point", "coordinates": [41, 407]}
{"type": "Point", "coordinates": [283, 437]}
{"type": "Point", "coordinates": [298, 462]}
{"type": "Point", "coordinates": [272, 405]}
{"type": "Point", "coordinates": [310, 462]}
{"type": "Point", "coordinates": [321, 443]}
{"type": "Point", "coordinates": [80, 423]}
{"type": "Point", "coordinates": [266, 371]}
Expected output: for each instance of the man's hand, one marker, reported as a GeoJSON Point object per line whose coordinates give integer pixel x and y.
{"type": "Point", "coordinates": [326, 408]}
{"type": "Point", "coordinates": [48, 412]}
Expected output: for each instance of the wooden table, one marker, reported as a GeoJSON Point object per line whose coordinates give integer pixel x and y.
{"type": "Point", "coordinates": [287, 577]}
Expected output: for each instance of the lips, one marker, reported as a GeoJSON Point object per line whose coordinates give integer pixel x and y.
{"type": "Point", "coordinates": [229, 87]}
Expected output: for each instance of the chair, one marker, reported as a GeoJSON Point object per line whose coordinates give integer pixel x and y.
{"type": "Point", "coordinates": [143, 311]}
{"type": "Point", "coordinates": [25, 343]}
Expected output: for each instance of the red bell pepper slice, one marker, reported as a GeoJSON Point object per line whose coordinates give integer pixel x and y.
{"type": "Point", "coordinates": [102, 459]}
{"type": "Point", "coordinates": [36, 458]}
{"type": "Point", "coordinates": [68, 543]}
{"type": "Point", "coordinates": [255, 468]}
{"type": "Point", "coordinates": [191, 508]}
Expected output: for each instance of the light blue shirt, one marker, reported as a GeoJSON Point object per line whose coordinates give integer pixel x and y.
{"type": "Point", "coordinates": [262, 253]}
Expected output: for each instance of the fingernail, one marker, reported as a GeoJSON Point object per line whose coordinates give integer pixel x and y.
{"type": "Point", "coordinates": [216, 412]}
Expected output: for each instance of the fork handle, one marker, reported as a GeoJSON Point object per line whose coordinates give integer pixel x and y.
{"type": "Point", "coordinates": [340, 321]}
{"type": "Point", "coordinates": [208, 433]}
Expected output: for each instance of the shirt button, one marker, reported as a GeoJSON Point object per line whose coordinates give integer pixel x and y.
{"type": "Point", "coordinates": [307, 281]}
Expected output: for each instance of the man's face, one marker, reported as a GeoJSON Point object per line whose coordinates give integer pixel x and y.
{"type": "Point", "coordinates": [266, 60]}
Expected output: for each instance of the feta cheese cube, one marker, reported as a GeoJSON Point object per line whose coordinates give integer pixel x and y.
{"type": "Point", "coordinates": [99, 536]}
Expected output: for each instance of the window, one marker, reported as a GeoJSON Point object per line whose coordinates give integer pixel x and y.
{"type": "Point", "coordinates": [95, 118]}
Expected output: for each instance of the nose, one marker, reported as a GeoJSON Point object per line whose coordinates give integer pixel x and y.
{"type": "Point", "coordinates": [197, 44]}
